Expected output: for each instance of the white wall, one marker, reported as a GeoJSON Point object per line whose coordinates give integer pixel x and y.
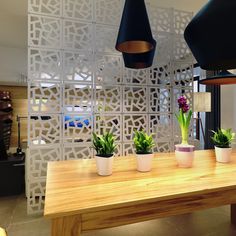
{"type": "Point", "coordinates": [233, 103]}
{"type": "Point", "coordinates": [228, 108]}
{"type": "Point", "coordinates": [185, 5]}
{"type": "Point", "coordinates": [13, 63]}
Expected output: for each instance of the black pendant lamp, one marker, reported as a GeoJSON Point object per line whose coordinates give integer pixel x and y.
{"type": "Point", "coordinates": [135, 39]}
{"type": "Point", "coordinates": [139, 60]}
{"type": "Point", "coordinates": [211, 35]}
{"type": "Point", "coordinates": [223, 78]}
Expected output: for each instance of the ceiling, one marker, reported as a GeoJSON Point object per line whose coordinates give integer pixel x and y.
{"type": "Point", "coordinates": [13, 18]}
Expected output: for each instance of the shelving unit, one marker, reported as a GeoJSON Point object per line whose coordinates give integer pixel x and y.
{"type": "Point", "coordinates": [6, 117]}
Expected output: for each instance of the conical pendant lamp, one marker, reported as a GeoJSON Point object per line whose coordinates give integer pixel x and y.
{"type": "Point", "coordinates": [139, 60]}
{"type": "Point", "coordinates": [135, 34]}
{"type": "Point", "coordinates": [223, 78]}
{"type": "Point", "coordinates": [211, 35]}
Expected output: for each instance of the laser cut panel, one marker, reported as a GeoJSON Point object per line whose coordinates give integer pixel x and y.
{"type": "Point", "coordinates": [108, 12]}
{"type": "Point", "coordinates": [45, 98]}
{"type": "Point", "coordinates": [71, 47]}
{"type": "Point", "coordinates": [181, 20]}
{"type": "Point", "coordinates": [133, 77]}
{"type": "Point", "coordinates": [183, 75]}
{"type": "Point", "coordinates": [108, 123]}
{"type": "Point", "coordinates": [78, 67]}
{"type": "Point", "coordinates": [132, 123]}
{"type": "Point", "coordinates": [38, 160]}
{"type": "Point", "coordinates": [159, 99]}
{"type": "Point", "coordinates": [164, 49]}
{"type": "Point", "coordinates": [82, 9]}
{"type": "Point", "coordinates": [45, 7]}
{"type": "Point", "coordinates": [36, 197]}
{"type": "Point", "coordinates": [163, 147]}
{"type": "Point", "coordinates": [77, 128]}
{"type": "Point", "coordinates": [78, 98]}
{"type": "Point", "coordinates": [44, 31]}
{"type": "Point", "coordinates": [77, 35]}
{"type": "Point", "coordinates": [105, 39]}
{"type": "Point", "coordinates": [44, 64]}
{"type": "Point", "coordinates": [128, 149]}
{"type": "Point", "coordinates": [135, 100]}
{"type": "Point", "coordinates": [108, 99]}
{"type": "Point", "coordinates": [44, 130]}
{"type": "Point", "coordinates": [72, 152]}
{"type": "Point", "coordinates": [161, 75]}
{"type": "Point", "coordinates": [108, 69]}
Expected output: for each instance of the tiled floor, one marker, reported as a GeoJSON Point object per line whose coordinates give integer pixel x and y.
{"type": "Point", "coordinates": [213, 222]}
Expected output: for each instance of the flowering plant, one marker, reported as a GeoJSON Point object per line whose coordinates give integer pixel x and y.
{"type": "Point", "coordinates": [184, 118]}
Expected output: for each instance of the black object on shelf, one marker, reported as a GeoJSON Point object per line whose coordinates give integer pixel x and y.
{"type": "Point", "coordinates": [5, 121]}
{"type": "Point", "coordinates": [5, 96]}
{"type": "Point", "coordinates": [3, 152]}
{"type": "Point", "coordinates": [19, 151]}
{"type": "Point", "coordinates": [12, 175]}
{"type": "Point", "coordinates": [40, 117]}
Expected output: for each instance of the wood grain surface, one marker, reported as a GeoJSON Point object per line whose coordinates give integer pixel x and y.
{"type": "Point", "coordinates": [66, 226]}
{"type": "Point", "coordinates": [73, 187]}
{"type": "Point", "coordinates": [2, 232]}
{"type": "Point", "coordinates": [233, 214]}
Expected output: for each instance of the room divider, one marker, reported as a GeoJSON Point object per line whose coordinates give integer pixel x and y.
{"type": "Point", "coordinates": [78, 83]}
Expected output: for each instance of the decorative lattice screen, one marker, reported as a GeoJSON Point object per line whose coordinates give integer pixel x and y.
{"type": "Point", "coordinates": [78, 83]}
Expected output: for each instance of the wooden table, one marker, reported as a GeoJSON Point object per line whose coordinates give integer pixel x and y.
{"type": "Point", "coordinates": [79, 200]}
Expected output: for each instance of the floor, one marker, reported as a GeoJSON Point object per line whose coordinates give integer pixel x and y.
{"type": "Point", "coordinates": [213, 222]}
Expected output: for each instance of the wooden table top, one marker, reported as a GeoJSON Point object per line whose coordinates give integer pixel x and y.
{"type": "Point", "coordinates": [73, 187]}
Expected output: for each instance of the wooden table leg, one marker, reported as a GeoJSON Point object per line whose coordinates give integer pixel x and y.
{"type": "Point", "coordinates": [66, 226]}
{"type": "Point", "coordinates": [233, 214]}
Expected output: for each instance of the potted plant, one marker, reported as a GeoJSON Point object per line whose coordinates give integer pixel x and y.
{"type": "Point", "coordinates": [184, 152]}
{"type": "Point", "coordinates": [143, 144]}
{"type": "Point", "coordinates": [105, 147]}
{"type": "Point", "coordinates": [222, 139]}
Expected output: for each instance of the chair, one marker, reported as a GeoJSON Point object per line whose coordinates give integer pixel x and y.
{"type": "Point", "coordinates": [2, 232]}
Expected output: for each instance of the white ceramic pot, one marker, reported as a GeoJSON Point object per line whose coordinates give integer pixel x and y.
{"type": "Point", "coordinates": [144, 162]}
{"type": "Point", "coordinates": [104, 165]}
{"type": "Point", "coordinates": [184, 155]}
{"type": "Point", "coordinates": [223, 155]}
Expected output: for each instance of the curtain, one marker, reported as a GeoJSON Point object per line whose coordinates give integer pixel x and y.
{"type": "Point", "coordinates": [213, 118]}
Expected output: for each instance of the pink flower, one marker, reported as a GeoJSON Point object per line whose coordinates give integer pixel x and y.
{"type": "Point", "coordinates": [185, 108]}
{"type": "Point", "coordinates": [182, 101]}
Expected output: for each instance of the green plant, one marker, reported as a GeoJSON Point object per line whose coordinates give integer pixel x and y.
{"type": "Point", "coordinates": [222, 138]}
{"type": "Point", "coordinates": [184, 118]}
{"type": "Point", "coordinates": [104, 144]}
{"type": "Point", "coordinates": [143, 143]}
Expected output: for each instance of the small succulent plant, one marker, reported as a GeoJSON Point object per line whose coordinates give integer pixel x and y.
{"type": "Point", "coordinates": [143, 143]}
{"type": "Point", "coordinates": [223, 138]}
{"type": "Point", "coordinates": [104, 144]}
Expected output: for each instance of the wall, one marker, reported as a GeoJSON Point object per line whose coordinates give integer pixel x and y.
{"type": "Point", "coordinates": [13, 63]}
{"type": "Point", "coordinates": [228, 109]}
{"type": "Point", "coordinates": [234, 109]}
{"type": "Point", "coordinates": [184, 5]}
{"type": "Point", "coordinates": [20, 107]}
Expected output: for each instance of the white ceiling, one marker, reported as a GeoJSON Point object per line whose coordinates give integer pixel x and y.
{"type": "Point", "coordinates": [13, 18]}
